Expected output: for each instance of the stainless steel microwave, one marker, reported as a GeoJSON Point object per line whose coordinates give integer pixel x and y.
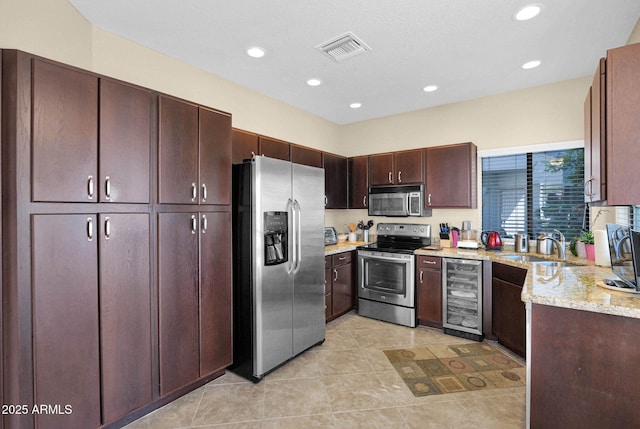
{"type": "Point", "coordinates": [400, 200]}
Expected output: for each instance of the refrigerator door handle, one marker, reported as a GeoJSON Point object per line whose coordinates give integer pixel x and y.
{"type": "Point", "coordinates": [292, 253]}
{"type": "Point", "coordinates": [297, 235]}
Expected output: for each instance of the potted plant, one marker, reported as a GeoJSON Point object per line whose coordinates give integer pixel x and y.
{"type": "Point", "coordinates": [587, 238]}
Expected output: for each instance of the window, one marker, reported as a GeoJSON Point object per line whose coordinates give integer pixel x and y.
{"type": "Point", "coordinates": [534, 192]}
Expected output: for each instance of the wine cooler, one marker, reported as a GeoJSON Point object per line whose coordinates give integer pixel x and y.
{"type": "Point", "coordinates": [462, 298]}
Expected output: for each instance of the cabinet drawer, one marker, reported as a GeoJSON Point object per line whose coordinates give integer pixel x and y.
{"type": "Point", "coordinates": [342, 258]}
{"type": "Point", "coordinates": [508, 273]}
{"type": "Point", "coordinates": [431, 262]}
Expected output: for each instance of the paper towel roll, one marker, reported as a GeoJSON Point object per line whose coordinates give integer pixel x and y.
{"type": "Point", "coordinates": [602, 248]}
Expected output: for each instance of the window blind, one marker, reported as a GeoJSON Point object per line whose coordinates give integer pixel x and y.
{"type": "Point", "coordinates": [534, 192]}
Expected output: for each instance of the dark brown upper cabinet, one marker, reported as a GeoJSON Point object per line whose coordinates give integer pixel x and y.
{"type": "Point", "coordinates": [622, 131]}
{"type": "Point", "coordinates": [595, 157]}
{"type": "Point", "coordinates": [396, 168]}
{"type": "Point", "coordinates": [358, 182]}
{"type": "Point", "coordinates": [194, 154]}
{"type": "Point", "coordinates": [335, 181]}
{"type": "Point", "coordinates": [274, 148]}
{"type": "Point", "coordinates": [215, 157]}
{"type": "Point", "coordinates": [244, 145]}
{"type": "Point", "coordinates": [306, 156]}
{"type": "Point", "coordinates": [450, 176]}
{"type": "Point", "coordinates": [65, 134]}
{"type": "Point", "coordinates": [125, 142]}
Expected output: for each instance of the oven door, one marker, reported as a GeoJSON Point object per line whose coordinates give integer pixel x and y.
{"type": "Point", "coordinates": [386, 277]}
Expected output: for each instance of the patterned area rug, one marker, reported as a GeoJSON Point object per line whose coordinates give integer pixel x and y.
{"type": "Point", "coordinates": [442, 369]}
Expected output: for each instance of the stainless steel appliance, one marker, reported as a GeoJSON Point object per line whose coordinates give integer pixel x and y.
{"type": "Point", "coordinates": [462, 297]}
{"type": "Point", "coordinates": [402, 200]}
{"type": "Point", "coordinates": [521, 243]}
{"type": "Point", "coordinates": [386, 273]}
{"type": "Point", "coordinates": [278, 221]}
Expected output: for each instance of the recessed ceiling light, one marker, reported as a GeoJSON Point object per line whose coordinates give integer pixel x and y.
{"type": "Point", "coordinates": [528, 12]}
{"type": "Point", "coordinates": [256, 52]}
{"type": "Point", "coordinates": [430, 88]}
{"type": "Point", "coordinates": [355, 105]}
{"type": "Point", "coordinates": [314, 82]}
{"type": "Point", "coordinates": [531, 64]}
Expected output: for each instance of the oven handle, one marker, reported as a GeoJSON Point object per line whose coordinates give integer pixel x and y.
{"type": "Point", "coordinates": [367, 255]}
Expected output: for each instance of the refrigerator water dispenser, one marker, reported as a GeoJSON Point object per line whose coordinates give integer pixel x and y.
{"type": "Point", "coordinates": [275, 238]}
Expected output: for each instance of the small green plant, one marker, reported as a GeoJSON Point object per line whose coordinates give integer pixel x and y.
{"type": "Point", "coordinates": [586, 237]}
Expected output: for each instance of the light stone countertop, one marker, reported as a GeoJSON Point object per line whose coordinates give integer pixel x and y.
{"type": "Point", "coordinates": [347, 246]}
{"type": "Point", "coordinates": [574, 287]}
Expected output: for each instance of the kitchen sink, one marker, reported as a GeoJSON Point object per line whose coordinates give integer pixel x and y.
{"type": "Point", "coordinates": [538, 260]}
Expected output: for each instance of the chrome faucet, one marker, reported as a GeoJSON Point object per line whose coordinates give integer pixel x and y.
{"type": "Point", "coordinates": [560, 244]}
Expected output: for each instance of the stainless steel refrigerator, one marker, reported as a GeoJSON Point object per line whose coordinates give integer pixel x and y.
{"type": "Point", "coordinates": [278, 230]}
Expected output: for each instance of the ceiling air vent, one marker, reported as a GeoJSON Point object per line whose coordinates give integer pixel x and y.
{"type": "Point", "coordinates": [343, 47]}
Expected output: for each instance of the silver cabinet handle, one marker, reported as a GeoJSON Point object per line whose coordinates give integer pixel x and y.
{"type": "Point", "coordinates": [364, 201]}
{"type": "Point", "coordinates": [205, 223]}
{"type": "Point", "coordinates": [399, 176]}
{"type": "Point", "coordinates": [89, 229]}
{"type": "Point", "coordinates": [90, 187]}
{"type": "Point", "coordinates": [107, 187]}
{"type": "Point", "coordinates": [204, 193]}
{"type": "Point", "coordinates": [326, 200]}
{"type": "Point", "coordinates": [390, 177]}
{"type": "Point", "coordinates": [194, 191]}
{"type": "Point", "coordinates": [429, 262]}
{"type": "Point", "coordinates": [107, 228]}
{"type": "Point", "coordinates": [421, 276]}
{"type": "Point", "coordinates": [429, 199]}
{"type": "Point", "coordinates": [342, 258]}
{"type": "Point", "coordinates": [194, 224]}
{"type": "Point", "coordinates": [335, 275]}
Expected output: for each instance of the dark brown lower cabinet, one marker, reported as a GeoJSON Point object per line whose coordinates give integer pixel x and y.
{"type": "Point", "coordinates": [194, 304]}
{"type": "Point", "coordinates": [65, 320]}
{"type": "Point", "coordinates": [429, 290]}
{"type": "Point", "coordinates": [125, 313]}
{"type": "Point", "coordinates": [341, 281]}
{"type": "Point", "coordinates": [508, 310]}
{"type": "Point", "coordinates": [584, 369]}
{"type": "Point", "coordinates": [215, 292]}
{"type": "Point", "coordinates": [179, 336]}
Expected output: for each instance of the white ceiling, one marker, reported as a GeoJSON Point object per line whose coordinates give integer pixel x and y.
{"type": "Point", "coordinates": [469, 48]}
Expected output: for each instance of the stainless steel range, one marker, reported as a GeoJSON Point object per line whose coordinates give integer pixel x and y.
{"type": "Point", "coordinates": [386, 273]}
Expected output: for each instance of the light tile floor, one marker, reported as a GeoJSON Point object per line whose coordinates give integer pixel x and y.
{"type": "Point", "coordinates": [347, 382]}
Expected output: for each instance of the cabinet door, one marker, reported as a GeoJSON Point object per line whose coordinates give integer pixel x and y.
{"type": "Point", "coordinates": [125, 313]}
{"type": "Point", "coordinates": [125, 142]}
{"type": "Point", "coordinates": [381, 169]}
{"type": "Point", "coordinates": [178, 300]}
{"type": "Point", "coordinates": [306, 156]}
{"type": "Point", "coordinates": [273, 148]}
{"type": "Point", "coordinates": [623, 133]}
{"type": "Point", "coordinates": [215, 292]}
{"type": "Point", "coordinates": [450, 176]}
{"type": "Point", "coordinates": [597, 174]}
{"type": "Point", "coordinates": [408, 167]}
{"type": "Point", "coordinates": [177, 152]}
{"type": "Point", "coordinates": [509, 315]}
{"type": "Point", "coordinates": [430, 297]}
{"type": "Point", "coordinates": [342, 296]}
{"type": "Point", "coordinates": [215, 157]}
{"type": "Point", "coordinates": [335, 180]}
{"type": "Point", "coordinates": [358, 182]}
{"type": "Point", "coordinates": [244, 145]}
{"type": "Point", "coordinates": [65, 134]}
{"type": "Point", "coordinates": [65, 319]}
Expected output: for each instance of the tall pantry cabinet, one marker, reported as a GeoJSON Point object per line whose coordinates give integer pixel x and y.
{"type": "Point", "coordinates": [93, 278]}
